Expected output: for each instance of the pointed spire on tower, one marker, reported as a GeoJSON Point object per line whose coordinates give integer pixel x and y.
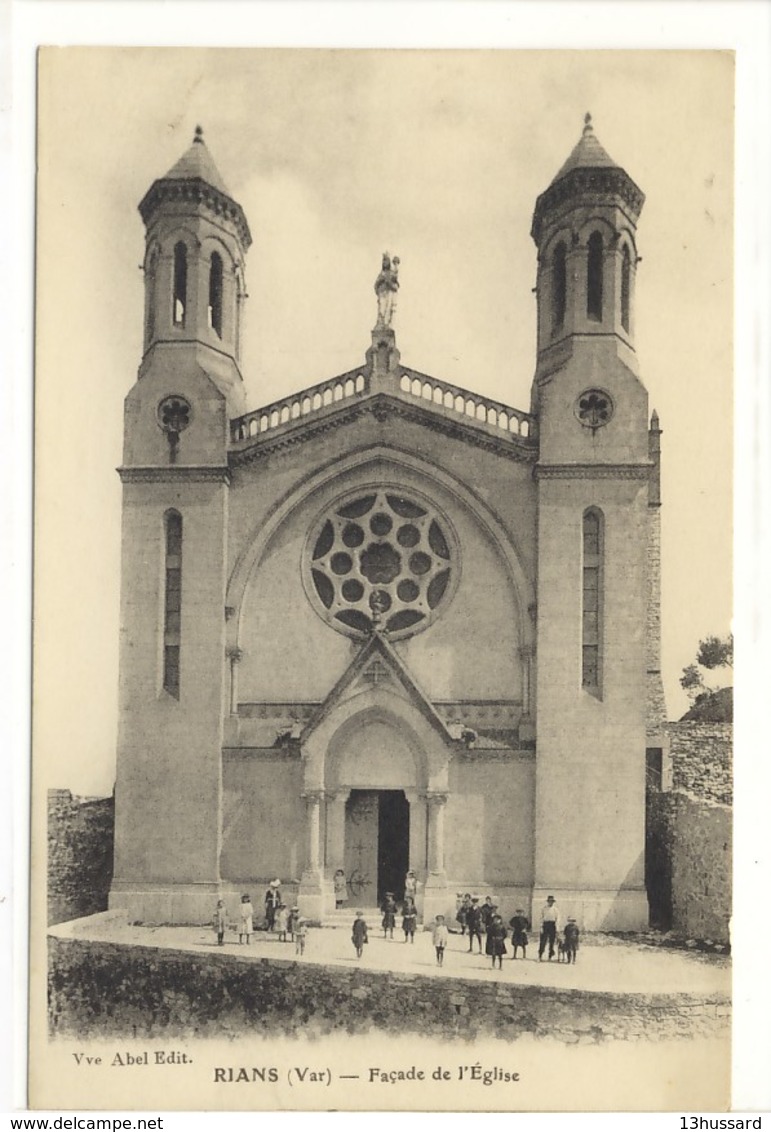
{"type": "Point", "coordinates": [587, 154]}
{"type": "Point", "coordinates": [196, 177]}
{"type": "Point", "coordinates": [589, 171]}
{"type": "Point", "coordinates": [196, 164]}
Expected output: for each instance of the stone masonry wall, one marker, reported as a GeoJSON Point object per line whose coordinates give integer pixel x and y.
{"type": "Point", "coordinates": [106, 989]}
{"type": "Point", "coordinates": [80, 847]}
{"type": "Point", "coordinates": [690, 846]}
{"type": "Point", "coordinates": [701, 755]}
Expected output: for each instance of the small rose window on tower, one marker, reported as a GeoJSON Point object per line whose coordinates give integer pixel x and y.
{"type": "Point", "coordinates": [174, 415]}
{"type": "Point", "coordinates": [380, 561]}
{"type": "Point", "coordinates": [594, 408]}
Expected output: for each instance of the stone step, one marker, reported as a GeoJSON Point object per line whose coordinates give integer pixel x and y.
{"type": "Point", "coordinates": [372, 917]}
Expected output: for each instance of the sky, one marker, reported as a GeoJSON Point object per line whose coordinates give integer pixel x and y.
{"type": "Point", "coordinates": [336, 156]}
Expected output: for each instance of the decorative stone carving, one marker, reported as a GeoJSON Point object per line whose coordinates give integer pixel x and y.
{"type": "Point", "coordinates": [386, 287]}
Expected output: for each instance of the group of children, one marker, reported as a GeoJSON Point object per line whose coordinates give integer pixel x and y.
{"type": "Point", "coordinates": [390, 908]}
{"type": "Point", "coordinates": [486, 918]}
{"type": "Point", "coordinates": [475, 918]}
{"type": "Point", "coordinates": [287, 922]}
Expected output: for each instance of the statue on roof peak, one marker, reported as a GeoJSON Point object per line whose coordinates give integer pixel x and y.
{"type": "Point", "coordinates": [386, 286]}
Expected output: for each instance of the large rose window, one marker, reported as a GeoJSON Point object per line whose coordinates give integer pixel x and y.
{"type": "Point", "coordinates": [381, 559]}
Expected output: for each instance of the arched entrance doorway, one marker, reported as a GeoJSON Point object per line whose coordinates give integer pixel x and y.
{"type": "Point", "coordinates": [377, 773]}
{"type": "Point", "coordinates": [376, 764]}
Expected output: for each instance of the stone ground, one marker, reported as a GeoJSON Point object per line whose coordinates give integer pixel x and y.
{"type": "Point", "coordinates": [605, 963]}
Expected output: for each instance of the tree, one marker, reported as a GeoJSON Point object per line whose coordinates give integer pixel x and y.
{"type": "Point", "coordinates": [712, 653]}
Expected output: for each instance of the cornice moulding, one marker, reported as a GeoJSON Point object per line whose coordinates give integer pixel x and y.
{"type": "Point", "coordinates": [592, 471]}
{"type": "Point", "coordinates": [174, 474]}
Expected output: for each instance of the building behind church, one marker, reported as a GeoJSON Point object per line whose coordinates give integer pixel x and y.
{"type": "Point", "coordinates": [386, 622]}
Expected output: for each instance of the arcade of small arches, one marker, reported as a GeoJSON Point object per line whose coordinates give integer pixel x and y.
{"type": "Point", "coordinates": [182, 286]}
{"type": "Point", "coordinates": [594, 251]}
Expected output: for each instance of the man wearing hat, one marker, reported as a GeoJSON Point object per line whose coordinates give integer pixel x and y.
{"type": "Point", "coordinates": [550, 919]}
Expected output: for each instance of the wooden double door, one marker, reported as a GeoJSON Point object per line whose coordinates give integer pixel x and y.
{"type": "Point", "coordinates": [377, 844]}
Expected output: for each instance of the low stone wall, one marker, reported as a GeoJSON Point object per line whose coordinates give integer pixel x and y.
{"type": "Point", "coordinates": [702, 762]}
{"type": "Point", "coordinates": [80, 852]}
{"type": "Point", "coordinates": [690, 864]}
{"type": "Point", "coordinates": [107, 989]}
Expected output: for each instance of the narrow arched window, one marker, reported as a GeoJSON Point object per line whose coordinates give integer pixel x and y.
{"type": "Point", "coordinates": [151, 271]}
{"type": "Point", "coordinates": [215, 294]}
{"type": "Point", "coordinates": [591, 634]}
{"type": "Point", "coordinates": [626, 270]}
{"type": "Point", "coordinates": [180, 283]}
{"type": "Point", "coordinates": [172, 620]}
{"type": "Point", "coordinates": [559, 287]}
{"type": "Point", "coordinates": [594, 277]}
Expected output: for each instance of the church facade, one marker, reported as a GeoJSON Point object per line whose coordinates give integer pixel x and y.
{"type": "Point", "coordinates": [387, 623]}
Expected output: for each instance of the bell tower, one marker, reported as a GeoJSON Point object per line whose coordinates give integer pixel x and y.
{"type": "Point", "coordinates": [593, 476]}
{"type": "Point", "coordinates": [196, 241]}
{"type": "Point", "coordinates": [176, 484]}
{"type": "Point", "coordinates": [584, 226]}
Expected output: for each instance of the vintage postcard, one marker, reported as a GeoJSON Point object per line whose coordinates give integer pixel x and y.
{"type": "Point", "coordinates": [383, 741]}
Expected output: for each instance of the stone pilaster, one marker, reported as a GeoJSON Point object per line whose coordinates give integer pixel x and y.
{"type": "Point", "coordinates": [335, 857]}
{"type": "Point", "coordinates": [436, 890]}
{"type": "Point", "coordinates": [311, 893]}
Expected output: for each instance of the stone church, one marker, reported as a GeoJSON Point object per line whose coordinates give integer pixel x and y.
{"type": "Point", "coordinates": [387, 623]}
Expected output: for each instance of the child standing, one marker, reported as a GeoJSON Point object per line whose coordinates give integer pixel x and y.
{"type": "Point", "coordinates": [388, 909]}
{"type": "Point", "coordinates": [220, 922]}
{"type": "Point", "coordinates": [341, 889]}
{"type": "Point", "coordinates": [486, 912]}
{"type": "Point", "coordinates": [409, 919]}
{"type": "Point", "coordinates": [519, 924]}
{"type": "Point", "coordinates": [291, 924]}
{"type": "Point", "coordinates": [282, 919]}
{"type": "Point", "coordinates": [245, 927]}
{"type": "Point", "coordinates": [300, 934]}
{"type": "Point", "coordinates": [496, 940]}
{"type": "Point", "coordinates": [440, 937]}
{"type": "Point", "coordinates": [359, 934]}
{"type": "Point", "coordinates": [463, 911]}
{"type": "Point", "coordinates": [474, 923]}
{"type": "Point", "coordinates": [570, 937]}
